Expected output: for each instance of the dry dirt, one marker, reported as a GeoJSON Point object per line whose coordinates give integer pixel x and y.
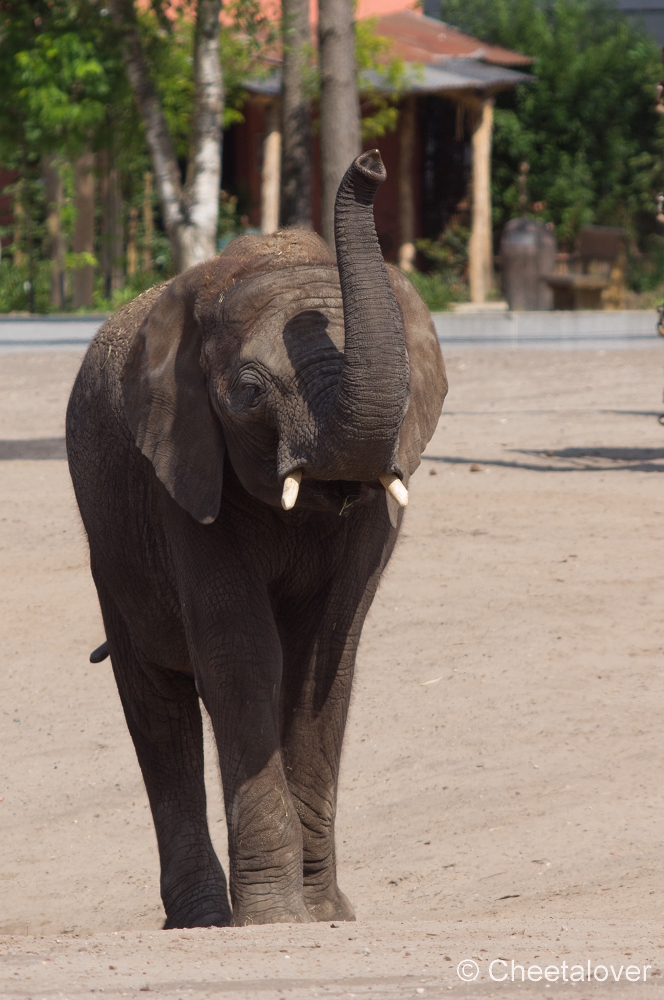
{"type": "Point", "coordinates": [501, 792]}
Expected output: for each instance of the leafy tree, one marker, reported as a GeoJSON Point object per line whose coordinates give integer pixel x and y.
{"type": "Point", "coordinates": [587, 125]}
{"type": "Point", "coordinates": [382, 79]}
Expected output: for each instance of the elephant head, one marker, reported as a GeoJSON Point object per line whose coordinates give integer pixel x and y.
{"type": "Point", "coordinates": [303, 370]}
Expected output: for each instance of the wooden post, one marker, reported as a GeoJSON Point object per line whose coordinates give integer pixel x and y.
{"type": "Point", "coordinates": [406, 198]}
{"type": "Point", "coordinates": [84, 228]}
{"type": "Point", "coordinates": [132, 250]}
{"type": "Point", "coordinates": [56, 241]}
{"type": "Point", "coordinates": [18, 256]}
{"type": "Point", "coordinates": [270, 178]}
{"type": "Point", "coordinates": [116, 229]}
{"type": "Point", "coordinates": [148, 223]}
{"type": "Point", "coordinates": [480, 249]}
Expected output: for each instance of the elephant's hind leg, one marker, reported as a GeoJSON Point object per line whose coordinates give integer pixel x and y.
{"type": "Point", "coordinates": [164, 719]}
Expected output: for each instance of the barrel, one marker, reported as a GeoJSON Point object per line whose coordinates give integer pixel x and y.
{"type": "Point", "coordinates": [528, 256]}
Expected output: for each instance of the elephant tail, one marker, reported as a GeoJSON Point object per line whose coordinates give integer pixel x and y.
{"type": "Point", "coordinates": [100, 653]}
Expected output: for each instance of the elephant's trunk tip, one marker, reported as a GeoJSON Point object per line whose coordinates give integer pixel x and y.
{"type": "Point", "coordinates": [370, 165]}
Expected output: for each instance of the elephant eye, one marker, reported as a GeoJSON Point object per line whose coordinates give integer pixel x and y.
{"type": "Point", "coordinates": [251, 392]}
{"type": "Point", "coordinates": [250, 388]}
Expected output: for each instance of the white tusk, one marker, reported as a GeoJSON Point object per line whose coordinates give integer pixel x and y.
{"type": "Point", "coordinates": [291, 489]}
{"type": "Point", "coordinates": [395, 488]}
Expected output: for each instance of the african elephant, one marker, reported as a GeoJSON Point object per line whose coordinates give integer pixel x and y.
{"type": "Point", "coordinates": [230, 435]}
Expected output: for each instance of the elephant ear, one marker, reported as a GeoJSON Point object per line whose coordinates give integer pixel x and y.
{"type": "Point", "coordinates": [167, 405]}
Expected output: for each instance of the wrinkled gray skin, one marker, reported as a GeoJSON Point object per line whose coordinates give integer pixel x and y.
{"type": "Point", "coordinates": [192, 405]}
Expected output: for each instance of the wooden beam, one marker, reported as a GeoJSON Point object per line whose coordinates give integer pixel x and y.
{"type": "Point", "coordinates": [406, 197]}
{"type": "Point", "coordinates": [84, 228]}
{"type": "Point", "coordinates": [56, 238]}
{"type": "Point", "coordinates": [270, 177]}
{"type": "Point", "coordinates": [480, 249]}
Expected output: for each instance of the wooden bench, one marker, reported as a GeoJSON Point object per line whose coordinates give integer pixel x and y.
{"type": "Point", "coordinates": [597, 278]}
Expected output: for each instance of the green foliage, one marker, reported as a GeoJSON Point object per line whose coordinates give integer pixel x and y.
{"type": "Point", "coordinates": [230, 223]}
{"type": "Point", "coordinates": [248, 38]}
{"type": "Point", "coordinates": [24, 288]}
{"type": "Point", "coordinates": [645, 271]}
{"type": "Point", "coordinates": [59, 65]}
{"type": "Point", "coordinates": [134, 285]}
{"type": "Point", "coordinates": [445, 279]}
{"type": "Point", "coordinates": [435, 290]}
{"type": "Point", "coordinates": [382, 79]}
{"type": "Point", "coordinates": [587, 126]}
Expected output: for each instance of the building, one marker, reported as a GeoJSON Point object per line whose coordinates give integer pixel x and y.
{"type": "Point", "coordinates": [439, 159]}
{"type": "Point", "coordinates": [647, 13]}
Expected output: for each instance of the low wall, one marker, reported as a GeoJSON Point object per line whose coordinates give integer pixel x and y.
{"type": "Point", "coordinates": [21, 333]}
{"type": "Point", "coordinates": [553, 330]}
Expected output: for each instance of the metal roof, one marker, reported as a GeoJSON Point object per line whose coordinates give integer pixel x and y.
{"type": "Point", "coordinates": [465, 74]}
{"type": "Point", "coordinates": [449, 76]}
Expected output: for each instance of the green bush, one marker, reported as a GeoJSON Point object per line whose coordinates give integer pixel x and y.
{"type": "Point", "coordinates": [645, 271]}
{"type": "Point", "coordinates": [436, 291]}
{"type": "Point", "coordinates": [443, 278]}
{"type": "Point", "coordinates": [15, 286]}
{"type": "Point", "coordinates": [586, 125]}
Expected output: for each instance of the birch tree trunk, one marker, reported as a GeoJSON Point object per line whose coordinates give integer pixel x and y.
{"type": "Point", "coordinates": [296, 166]}
{"type": "Point", "coordinates": [189, 212]}
{"type": "Point", "coordinates": [340, 127]}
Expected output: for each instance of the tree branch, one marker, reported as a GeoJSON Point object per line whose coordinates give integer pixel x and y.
{"type": "Point", "coordinates": [157, 136]}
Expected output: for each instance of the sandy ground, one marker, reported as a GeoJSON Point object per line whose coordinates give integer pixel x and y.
{"type": "Point", "coordinates": [501, 792]}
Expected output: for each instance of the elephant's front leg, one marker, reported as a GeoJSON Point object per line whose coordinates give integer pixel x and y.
{"type": "Point", "coordinates": [239, 677]}
{"type": "Point", "coordinates": [312, 750]}
{"type": "Point", "coordinates": [317, 687]}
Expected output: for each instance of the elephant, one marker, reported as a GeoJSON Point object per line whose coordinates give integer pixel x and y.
{"type": "Point", "coordinates": [240, 441]}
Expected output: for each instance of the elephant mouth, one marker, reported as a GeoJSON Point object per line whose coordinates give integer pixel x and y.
{"type": "Point", "coordinates": [338, 496]}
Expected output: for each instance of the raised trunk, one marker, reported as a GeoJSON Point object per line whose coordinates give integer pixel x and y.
{"type": "Point", "coordinates": [364, 424]}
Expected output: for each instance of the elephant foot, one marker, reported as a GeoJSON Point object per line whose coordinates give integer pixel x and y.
{"type": "Point", "coordinates": [198, 907]}
{"type": "Point", "coordinates": [328, 904]}
{"type": "Point", "coordinates": [202, 920]}
{"type": "Point", "coordinates": [270, 913]}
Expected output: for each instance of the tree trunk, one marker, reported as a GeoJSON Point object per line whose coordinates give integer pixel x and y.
{"type": "Point", "coordinates": [84, 229]}
{"type": "Point", "coordinates": [190, 213]}
{"type": "Point", "coordinates": [296, 156]}
{"type": "Point", "coordinates": [56, 240]}
{"type": "Point", "coordinates": [270, 170]}
{"type": "Point", "coordinates": [340, 128]}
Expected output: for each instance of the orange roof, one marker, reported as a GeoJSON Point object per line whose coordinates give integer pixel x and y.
{"type": "Point", "coordinates": [426, 40]}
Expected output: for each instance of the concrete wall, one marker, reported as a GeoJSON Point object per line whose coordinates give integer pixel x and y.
{"type": "Point", "coordinates": [587, 329]}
